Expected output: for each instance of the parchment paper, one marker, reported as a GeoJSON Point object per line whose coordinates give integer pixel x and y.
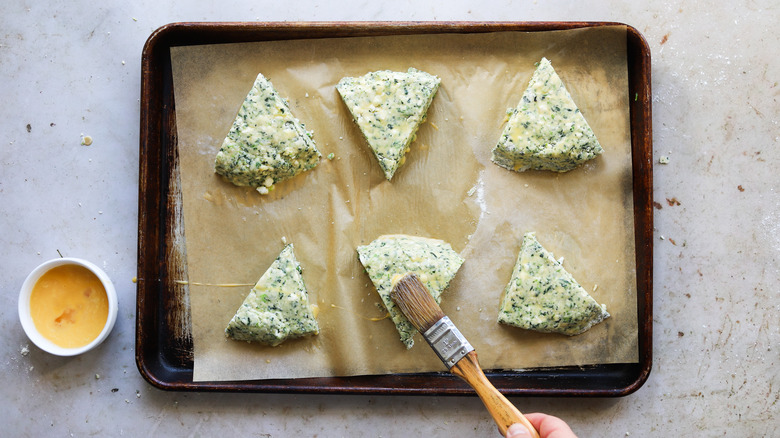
{"type": "Point", "coordinates": [448, 189]}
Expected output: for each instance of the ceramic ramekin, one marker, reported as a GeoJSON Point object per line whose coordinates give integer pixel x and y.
{"type": "Point", "coordinates": [26, 318]}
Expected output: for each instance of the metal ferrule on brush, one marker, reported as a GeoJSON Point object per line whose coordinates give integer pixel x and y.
{"type": "Point", "coordinates": [447, 341]}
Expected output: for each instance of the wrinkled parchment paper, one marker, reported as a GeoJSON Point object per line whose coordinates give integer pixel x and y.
{"type": "Point", "coordinates": [448, 189]}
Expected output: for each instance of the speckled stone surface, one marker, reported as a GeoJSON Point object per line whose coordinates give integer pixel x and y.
{"type": "Point", "coordinates": [70, 69]}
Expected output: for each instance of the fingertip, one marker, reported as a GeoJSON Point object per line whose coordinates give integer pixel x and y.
{"type": "Point", "coordinates": [517, 430]}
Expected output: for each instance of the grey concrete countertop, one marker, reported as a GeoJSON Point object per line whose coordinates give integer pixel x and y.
{"type": "Point", "coordinates": [70, 69]}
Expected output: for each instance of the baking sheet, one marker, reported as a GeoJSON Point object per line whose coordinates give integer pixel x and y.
{"type": "Point", "coordinates": [233, 233]}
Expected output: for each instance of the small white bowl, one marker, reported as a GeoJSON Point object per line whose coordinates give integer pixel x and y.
{"type": "Point", "coordinates": [26, 318]}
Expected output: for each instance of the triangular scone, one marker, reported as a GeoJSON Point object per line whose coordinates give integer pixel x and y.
{"type": "Point", "coordinates": [392, 256]}
{"type": "Point", "coordinates": [388, 107]}
{"type": "Point", "coordinates": [266, 144]}
{"type": "Point", "coordinates": [544, 297]}
{"type": "Point", "coordinates": [277, 308]}
{"type": "Point", "coordinates": [546, 131]}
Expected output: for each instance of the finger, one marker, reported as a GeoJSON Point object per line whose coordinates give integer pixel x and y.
{"type": "Point", "coordinates": [550, 426]}
{"type": "Point", "coordinates": [518, 430]}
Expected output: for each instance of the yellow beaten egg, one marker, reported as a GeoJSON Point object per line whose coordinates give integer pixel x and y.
{"type": "Point", "coordinates": [69, 306]}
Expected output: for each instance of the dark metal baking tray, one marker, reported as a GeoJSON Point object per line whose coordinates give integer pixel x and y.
{"type": "Point", "coordinates": [163, 338]}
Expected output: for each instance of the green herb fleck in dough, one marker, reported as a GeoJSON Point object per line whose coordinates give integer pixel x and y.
{"type": "Point", "coordinates": [390, 256]}
{"type": "Point", "coordinates": [544, 297]}
{"type": "Point", "coordinates": [388, 107]}
{"type": "Point", "coordinates": [265, 144]}
{"type": "Point", "coordinates": [277, 308]}
{"type": "Point", "coordinates": [546, 131]}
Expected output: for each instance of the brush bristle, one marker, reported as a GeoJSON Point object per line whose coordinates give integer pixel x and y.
{"type": "Point", "coordinates": [416, 302]}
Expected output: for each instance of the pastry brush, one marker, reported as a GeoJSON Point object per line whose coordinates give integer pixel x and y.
{"type": "Point", "coordinates": [414, 300]}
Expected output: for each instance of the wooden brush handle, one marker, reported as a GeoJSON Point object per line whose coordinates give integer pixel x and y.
{"type": "Point", "coordinates": [503, 412]}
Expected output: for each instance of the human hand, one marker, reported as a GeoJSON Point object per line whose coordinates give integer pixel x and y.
{"type": "Point", "coordinates": [547, 425]}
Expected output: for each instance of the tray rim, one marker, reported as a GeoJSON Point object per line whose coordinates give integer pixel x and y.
{"type": "Point", "coordinates": [157, 114]}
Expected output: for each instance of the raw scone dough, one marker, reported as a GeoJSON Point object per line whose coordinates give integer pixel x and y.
{"type": "Point", "coordinates": [388, 107]}
{"type": "Point", "coordinates": [266, 144]}
{"type": "Point", "coordinates": [434, 261]}
{"type": "Point", "coordinates": [544, 297]}
{"type": "Point", "coordinates": [277, 308]}
{"type": "Point", "coordinates": [546, 131]}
